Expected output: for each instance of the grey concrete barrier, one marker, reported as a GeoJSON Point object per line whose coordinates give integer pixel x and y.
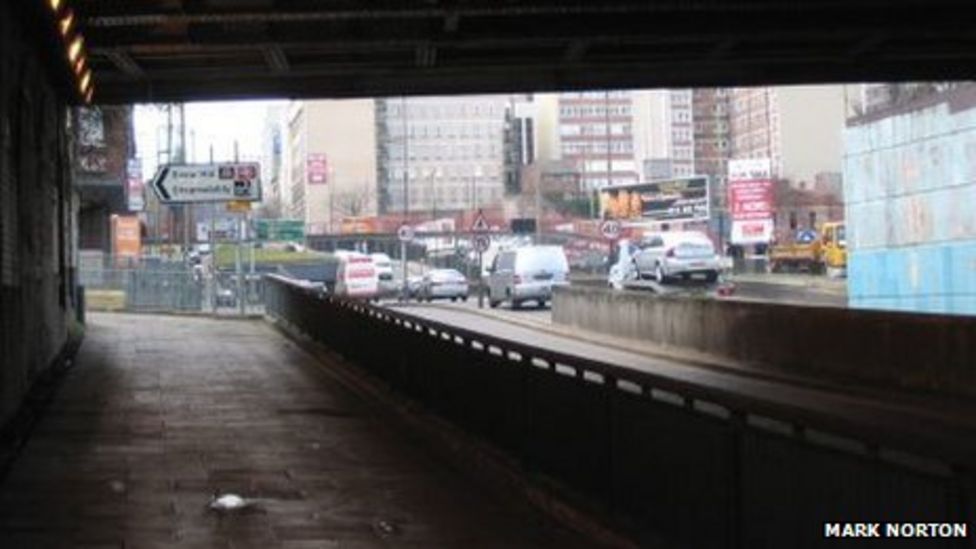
{"type": "Point", "coordinates": [917, 351]}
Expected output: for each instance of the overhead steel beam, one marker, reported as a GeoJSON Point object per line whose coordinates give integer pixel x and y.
{"type": "Point", "coordinates": [124, 62]}
{"type": "Point", "coordinates": [276, 58]}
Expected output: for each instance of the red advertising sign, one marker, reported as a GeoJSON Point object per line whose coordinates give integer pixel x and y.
{"type": "Point", "coordinates": [751, 199]}
{"type": "Point", "coordinates": [316, 169]}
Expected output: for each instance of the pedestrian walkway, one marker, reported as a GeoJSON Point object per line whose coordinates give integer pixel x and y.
{"type": "Point", "coordinates": [161, 413]}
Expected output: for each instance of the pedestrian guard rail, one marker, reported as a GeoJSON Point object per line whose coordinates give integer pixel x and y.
{"type": "Point", "coordinates": [665, 458]}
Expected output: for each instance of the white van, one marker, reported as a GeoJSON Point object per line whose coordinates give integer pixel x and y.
{"type": "Point", "coordinates": [527, 274]}
{"type": "Point", "coordinates": [357, 277]}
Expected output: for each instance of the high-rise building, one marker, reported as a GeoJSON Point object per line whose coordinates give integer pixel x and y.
{"type": "Point", "coordinates": [596, 134]}
{"type": "Point", "coordinates": [713, 145]}
{"type": "Point", "coordinates": [449, 151]}
{"type": "Point", "coordinates": [664, 136]}
{"type": "Point", "coordinates": [330, 162]}
{"type": "Point", "coordinates": [797, 127]}
{"type": "Point", "coordinates": [272, 159]}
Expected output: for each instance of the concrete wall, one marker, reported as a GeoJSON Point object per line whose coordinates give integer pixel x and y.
{"type": "Point", "coordinates": [37, 214]}
{"type": "Point", "coordinates": [884, 348]}
{"type": "Point", "coordinates": [910, 184]}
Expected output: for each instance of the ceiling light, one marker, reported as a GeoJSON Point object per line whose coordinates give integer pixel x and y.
{"type": "Point", "coordinates": [75, 48]}
{"type": "Point", "coordinates": [80, 65]}
{"type": "Point", "coordinates": [89, 94]}
{"type": "Point", "coordinates": [85, 80]}
{"type": "Point", "coordinates": [66, 22]}
{"type": "Point", "coordinates": [55, 4]}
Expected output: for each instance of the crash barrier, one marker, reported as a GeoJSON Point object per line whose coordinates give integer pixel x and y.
{"type": "Point", "coordinates": [915, 351]}
{"type": "Point", "coordinates": [699, 466]}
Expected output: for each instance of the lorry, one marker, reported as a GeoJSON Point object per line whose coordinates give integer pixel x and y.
{"type": "Point", "coordinates": [817, 254]}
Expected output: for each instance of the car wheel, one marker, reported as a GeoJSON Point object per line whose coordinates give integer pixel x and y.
{"type": "Point", "coordinates": [454, 299]}
{"type": "Point", "coordinates": [541, 304]}
{"type": "Point", "coordinates": [711, 276]}
{"type": "Point", "coordinates": [516, 305]}
{"type": "Point", "coordinates": [493, 304]}
{"type": "Point", "coordinates": [464, 298]}
{"type": "Point", "coordinates": [659, 274]}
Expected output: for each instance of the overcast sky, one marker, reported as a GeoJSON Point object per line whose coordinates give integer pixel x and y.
{"type": "Point", "coordinates": [210, 123]}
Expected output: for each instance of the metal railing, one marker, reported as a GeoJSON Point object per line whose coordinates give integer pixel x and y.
{"type": "Point", "coordinates": [668, 458]}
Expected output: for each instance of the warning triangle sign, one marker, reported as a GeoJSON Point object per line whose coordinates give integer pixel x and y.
{"type": "Point", "coordinates": [480, 225]}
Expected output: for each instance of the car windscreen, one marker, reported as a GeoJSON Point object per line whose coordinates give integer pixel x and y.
{"type": "Point", "coordinates": [551, 260]}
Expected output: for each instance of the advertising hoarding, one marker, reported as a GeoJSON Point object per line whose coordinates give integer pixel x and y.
{"type": "Point", "coordinates": [750, 199]}
{"type": "Point", "coordinates": [666, 200]}
{"type": "Point", "coordinates": [126, 239]}
{"type": "Point", "coordinates": [316, 169]}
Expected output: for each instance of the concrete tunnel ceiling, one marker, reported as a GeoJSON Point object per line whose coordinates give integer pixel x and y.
{"type": "Point", "coordinates": [168, 50]}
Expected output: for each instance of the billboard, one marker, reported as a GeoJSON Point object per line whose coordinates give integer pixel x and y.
{"type": "Point", "coordinates": [316, 169]}
{"type": "Point", "coordinates": [666, 200]}
{"type": "Point", "coordinates": [126, 239]}
{"type": "Point", "coordinates": [750, 199]}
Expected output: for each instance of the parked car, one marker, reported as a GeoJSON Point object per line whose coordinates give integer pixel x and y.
{"type": "Point", "coordinates": [679, 254]}
{"type": "Point", "coordinates": [527, 274]}
{"type": "Point", "coordinates": [443, 284]}
{"type": "Point", "coordinates": [413, 285]}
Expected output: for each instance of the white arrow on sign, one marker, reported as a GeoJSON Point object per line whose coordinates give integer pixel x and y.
{"type": "Point", "coordinates": [175, 183]}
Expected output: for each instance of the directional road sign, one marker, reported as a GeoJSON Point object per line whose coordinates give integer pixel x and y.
{"type": "Point", "coordinates": [610, 229]}
{"type": "Point", "coordinates": [481, 243]}
{"type": "Point", "coordinates": [480, 224]}
{"type": "Point", "coordinates": [181, 183]}
{"type": "Point", "coordinates": [405, 233]}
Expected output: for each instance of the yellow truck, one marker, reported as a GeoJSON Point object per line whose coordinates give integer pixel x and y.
{"type": "Point", "coordinates": [826, 253]}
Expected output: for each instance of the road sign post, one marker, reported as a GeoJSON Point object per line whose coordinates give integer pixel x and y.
{"type": "Point", "coordinates": [405, 234]}
{"type": "Point", "coordinates": [479, 227]}
{"type": "Point", "coordinates": [610, 229]}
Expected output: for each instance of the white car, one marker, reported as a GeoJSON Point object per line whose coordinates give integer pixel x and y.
{"type": "Point", "coordinates": [680, 254]}
{"type": "Point", "coordinates": [443, 284]}
{"type": "Point", "coordinates": [527, 274]}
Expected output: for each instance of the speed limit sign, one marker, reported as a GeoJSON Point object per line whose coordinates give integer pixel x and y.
{"type": "Point", "coordinates": [610, 229]}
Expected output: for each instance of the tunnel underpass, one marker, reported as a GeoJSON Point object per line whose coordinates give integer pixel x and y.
{"type": "Point", "coordinates": [608, 419]}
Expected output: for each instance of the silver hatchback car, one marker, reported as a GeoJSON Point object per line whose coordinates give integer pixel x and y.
{"type": "Point", "coordinates": [684, 254]}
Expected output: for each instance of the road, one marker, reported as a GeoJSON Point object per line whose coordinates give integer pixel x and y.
{"type": "Point", "coordinates": [796, 290]}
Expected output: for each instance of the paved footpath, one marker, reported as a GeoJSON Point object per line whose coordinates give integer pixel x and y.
{"type": "Point", "coordinates": [162, 412]}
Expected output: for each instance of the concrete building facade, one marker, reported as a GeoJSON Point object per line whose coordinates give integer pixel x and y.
{"type": "Point", "coordinates": [664, 137]}
{"type": "Point", "coordinates": [797, 127]}
{"type": "Point", "coordinates": [909, 183]}
{"type": "Point", "coordinates": [596, 133]}
{"type": "Point", "coordinates": [449, 151]}
{"type": "Point", "coordinates": [330, 169]}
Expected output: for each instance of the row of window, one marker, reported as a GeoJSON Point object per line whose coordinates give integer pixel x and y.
{"type": "Point", "coordinates": [451, 129]}
{"type": "Point", "coordinates": [588, 111]}
{"type": "Point", "coordinates": [594, 147]}
{"type": "Point", "coordinates": [476, 151]}
{"type": "Point", "coordinates": [595, 129]}
{"type": "Point", "coordinates": [446, 109]}
{"type": "Point", "coordinates": [457, 196]}
{"type": "Point", "coordinates": [447, 172]}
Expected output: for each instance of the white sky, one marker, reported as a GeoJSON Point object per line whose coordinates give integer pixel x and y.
{"type": "Point", "coordinates": [208, 123]}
